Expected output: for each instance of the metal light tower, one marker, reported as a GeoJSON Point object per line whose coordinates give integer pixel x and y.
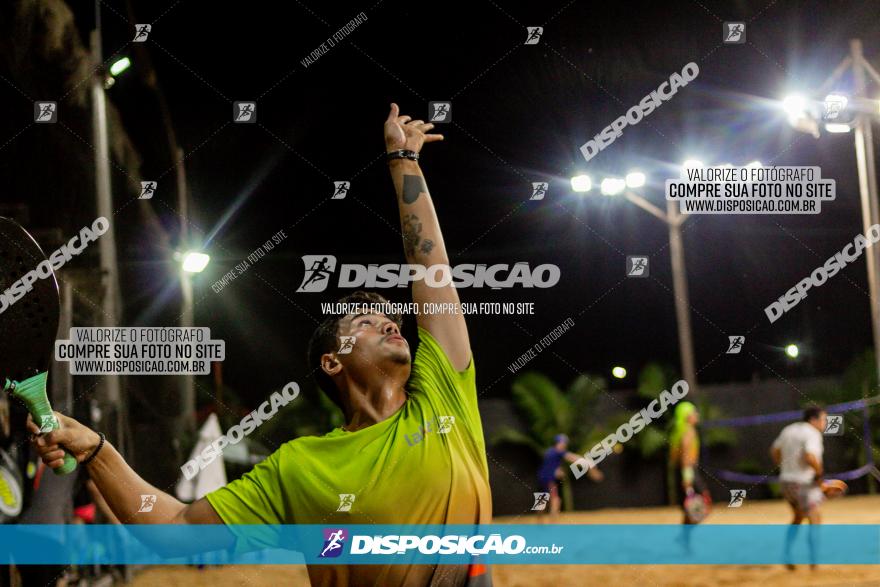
{"type": "Point", "coordinates": [110, 301]}
{"type": "Point", "coordinates": [802, 118]}
{"type": "Point", "coordinates": [673, 218]}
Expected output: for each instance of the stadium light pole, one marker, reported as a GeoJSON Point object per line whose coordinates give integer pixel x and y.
{"type": "Point", "coordinates": [673, 218]}
{"type": "Point", "coordinates": [800, 117]}
{"type": "Point", "coordinates": [864, 143]}
{"type": "Point", "coordinates": [191, 262]}
{"type": "Point", "coordinates": [110, 302]}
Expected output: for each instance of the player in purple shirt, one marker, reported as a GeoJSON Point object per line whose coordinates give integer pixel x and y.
{"type": "Point", "coordinates": [551, 473]}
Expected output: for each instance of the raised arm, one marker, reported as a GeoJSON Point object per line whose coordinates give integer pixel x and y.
{"type": "Point", "coordinates": [117, 482]}
{"type": "Point", "coordinates": [422, 240]}
{"type": "Point", "coordinates": [594, 472]}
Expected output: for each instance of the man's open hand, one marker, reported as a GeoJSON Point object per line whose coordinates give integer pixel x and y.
{"type": "Point", "coordinates": [401, 132]}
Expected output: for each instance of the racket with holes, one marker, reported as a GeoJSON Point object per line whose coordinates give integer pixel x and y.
{"type": "Point", "coordinates": [29, 314]}
{"type": "Point", "coordinates": [11, 489]}
{"type": "Point", "coordinates": [698, 506]}
{"type": "Point", "coordinates": [834, 488]}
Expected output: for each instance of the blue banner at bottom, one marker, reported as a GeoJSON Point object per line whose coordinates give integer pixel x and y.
{"type": "Point", "coordinates": [437, 544]}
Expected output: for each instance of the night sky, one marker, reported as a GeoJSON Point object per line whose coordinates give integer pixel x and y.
{"type": "Point", "coordinates": [520, 113]}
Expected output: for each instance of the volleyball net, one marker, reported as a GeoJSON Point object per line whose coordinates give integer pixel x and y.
{"type": "Point", "coordinates": [789, 416]}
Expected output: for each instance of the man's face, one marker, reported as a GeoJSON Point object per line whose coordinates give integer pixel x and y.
{"type": "Point", "coordinates": [820, 422]}
{"type": "Point", "coordinates": [377, 341]}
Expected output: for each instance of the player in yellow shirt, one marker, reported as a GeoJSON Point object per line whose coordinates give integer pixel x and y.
{"type": "Point", "coordinates": [411, 449]}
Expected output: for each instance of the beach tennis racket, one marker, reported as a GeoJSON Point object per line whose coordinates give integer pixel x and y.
{"type": "Point", "coordinates": [28, 325]}
{"type": "Point", "coordinates": [11, 489]}
{"type": "Point", "coordinates": [834, 488]}
{"type": "Point", "coordinates": [697, 506]}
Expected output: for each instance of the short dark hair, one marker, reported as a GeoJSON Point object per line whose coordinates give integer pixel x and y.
{"type": "Point", "coordinates": [324, 339]}
{"type": "Point", "coordinates": [813, 412]}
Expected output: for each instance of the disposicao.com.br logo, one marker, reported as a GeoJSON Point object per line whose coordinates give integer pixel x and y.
{"type": "Point", "coordinates": [450, 544]}
{"type": "Point", "coordinates": [320, 268]}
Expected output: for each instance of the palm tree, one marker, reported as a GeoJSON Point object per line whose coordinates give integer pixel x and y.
{"type": "Point", "coordinates": [550, 411]}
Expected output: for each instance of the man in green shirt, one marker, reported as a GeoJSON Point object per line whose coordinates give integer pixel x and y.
{"type": "Point", "coordinates": [412, 447]}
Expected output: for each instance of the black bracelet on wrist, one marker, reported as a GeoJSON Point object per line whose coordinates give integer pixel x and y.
{"type": "Point", "coordinates": [96, 451]}
{"type": "Point", "coordinates": [402, 154]}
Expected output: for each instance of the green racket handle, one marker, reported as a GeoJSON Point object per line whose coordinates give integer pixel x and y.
{"type": "Point", "coordinates": [32, 392]}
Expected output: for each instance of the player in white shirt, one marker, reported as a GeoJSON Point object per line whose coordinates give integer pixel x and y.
{"type": "Point", "coordinates": [798, 453]}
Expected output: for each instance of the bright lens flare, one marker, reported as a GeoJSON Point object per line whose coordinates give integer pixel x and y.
{"type": "Point", "coordinates": [837, 127]}
{"type": "Point", "coordinates": [635, 179]}
{"type": "Point", "coordinates": [792, 351]}
{"type": "Point", "coordinates": [618, 372]}
{"type": "Point", "coordinates": [119, 66]}
{"type": "Point", "coordinates": [837, 101]}
{"type": "Point", "coordinates": [795, 106]}
{"type": "Point", "coordinates": [581, 183]}
{"type": "Point", "coordinates": [611, 186]}
{"type": "Point", "coordinates": [194, 262]}
{"type": "Point", "coordinates": [691, 163]}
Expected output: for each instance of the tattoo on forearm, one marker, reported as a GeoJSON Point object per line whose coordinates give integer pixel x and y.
{"type": "Point", "coordinates": [412, 228]}
{"type": "Point", "coordinates": [426, 246]}
{"type": "Point", "coordinates": [413, 186]}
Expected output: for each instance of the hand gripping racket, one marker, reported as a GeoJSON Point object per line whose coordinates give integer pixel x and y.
{"type": "Point", "coordinates": [29, 314]}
